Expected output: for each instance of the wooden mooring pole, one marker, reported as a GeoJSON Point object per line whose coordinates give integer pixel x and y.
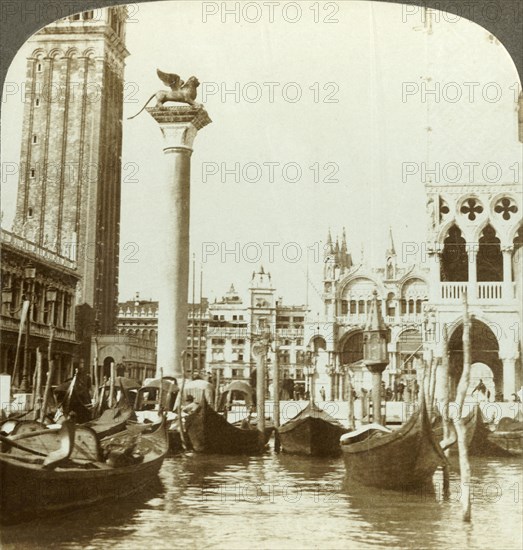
{"type": "Point", "coordinates": [461, 429]}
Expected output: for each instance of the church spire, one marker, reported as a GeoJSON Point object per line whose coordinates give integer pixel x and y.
{"type": "Point", "coordinates": [343, 241]}
{"type": "Point", "coordinates": [391, 250]}
{"type": "Point", "coordinates": [391, 258]}
{"type": "Point", "coordinates": [329, 247]}
{"type": "Point", "coordinates": [346, 259]}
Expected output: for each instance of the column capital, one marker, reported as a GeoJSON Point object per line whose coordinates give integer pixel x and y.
{"type": "Point", "coordinates": [179, 124]}
{"type": "Point", "coordinates": [434, 248]}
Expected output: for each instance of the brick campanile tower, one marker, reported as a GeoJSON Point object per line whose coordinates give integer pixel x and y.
{"type": "Point", "coordinates": [70, 163]}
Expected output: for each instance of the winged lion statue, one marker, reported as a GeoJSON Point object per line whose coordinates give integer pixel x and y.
{"type": "Point", "coordinates": [180, 91]}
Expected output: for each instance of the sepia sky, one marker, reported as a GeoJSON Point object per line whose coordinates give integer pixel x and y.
{"type": "Point", "coordinates": [316, 102]}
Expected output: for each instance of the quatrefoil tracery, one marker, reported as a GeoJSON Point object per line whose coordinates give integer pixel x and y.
{"type": "Point", "coordinates": [443, 209]}
{"type": "Point", "coordinates": [471, 207]}
{"type": "Point", "coordinates": [506, 208]}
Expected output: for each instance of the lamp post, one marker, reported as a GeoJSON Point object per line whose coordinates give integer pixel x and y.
{"type": "Point", "coordinates": [7, 300]}
{"type": "Point", "coordinates": [276, 382]}
{"type": "Point", "coordinates": [29, 277]}
{"type": "Point", "coordinates": [375, 355]}
{"type": "Point", "coordinates": [309, 373]}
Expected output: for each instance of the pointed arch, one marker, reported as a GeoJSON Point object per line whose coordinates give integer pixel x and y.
{"type": "Point", "coordinates": [484, 349]}
{"type": "Point", "coordinates": [489, 261]}
{"type": "Point", "coordinates": [454, 257]}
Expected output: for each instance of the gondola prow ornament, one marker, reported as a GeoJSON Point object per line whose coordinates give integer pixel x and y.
{"type": "Point", "coordinates": [181, 92]}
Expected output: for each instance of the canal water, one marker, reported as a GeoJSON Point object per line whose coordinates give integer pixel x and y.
{"type": "Point", "coordinates": [282, 501]}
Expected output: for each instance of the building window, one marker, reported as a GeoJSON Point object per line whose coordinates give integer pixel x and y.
{"type": "Point", "coordinates": [37, 102]}
{"type": "Point", "coordinates": [32, 173]}
{"type": "Point", "coordinates": [344, 307]}
{"type": "Point", "coordinates": [39, 67]}
{"type": "Point", "coordinates": [235, 317]}
{"type": "Point", "coordinates": [30, 212]}
{"type": "Point", "coordinates": [35, 139]}
{"type": "Point", "coordinates": [454, 258]}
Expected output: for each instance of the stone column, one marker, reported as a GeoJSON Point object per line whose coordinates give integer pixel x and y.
{"type": "Point", "coordinates": [434, 255]}
{"type": "Point", "coordinates": [508, 293]}
{"type": "Point", "coordinates": [473, 274]}
{"type": "Point", "coordinates": [179, 126]}
{"type": "Point", "coordinates": [509, 377]}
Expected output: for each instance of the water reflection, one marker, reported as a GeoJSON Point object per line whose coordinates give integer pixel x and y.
{"type": "Point", "coordinates": [275, 501]}
{"type": "Point", "coordinates": [76, 529]}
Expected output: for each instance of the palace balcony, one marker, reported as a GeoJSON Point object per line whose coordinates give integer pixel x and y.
{"type": "Point", "coordinates": [39, 329]}
{"type": "Point", "coordinates": [487, 292]}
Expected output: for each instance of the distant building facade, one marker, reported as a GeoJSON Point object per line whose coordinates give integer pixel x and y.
{"type": "Point", "coordinates": [234, 324]}
{"type": "Point", "coordinates": [220, 334]}
{"type": "Point", "coordinates": [138, 322]}
{"type": "Point", "coordinates": [51, 296]}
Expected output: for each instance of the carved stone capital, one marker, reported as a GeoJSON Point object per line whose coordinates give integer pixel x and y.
{"type": "Point", "coordinates": [179, 124]}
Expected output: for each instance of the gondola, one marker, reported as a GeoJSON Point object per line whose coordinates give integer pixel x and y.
{"type": "Point", "coordinates": [507, 438]}
{"type": "Point", "coordinates": [111, 421]}
{"type": "Point", "coordinates": [153, 398]}
{"type": "Point", "coordinates": [393, 459]}
{"type": "Point", "coordinates": [311, 432]}
{"type": "Point", "coordinates": [475, 434]}
{"type": "Point", "coordinates": [36, 483]}
{"type": "Point", "coordinates": [209, 432]}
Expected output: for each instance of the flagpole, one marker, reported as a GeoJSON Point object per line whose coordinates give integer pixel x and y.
{"type": "Point", "coordinates": [200, 324]}
{"type": "Point", "coordinates": [192, 317]}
